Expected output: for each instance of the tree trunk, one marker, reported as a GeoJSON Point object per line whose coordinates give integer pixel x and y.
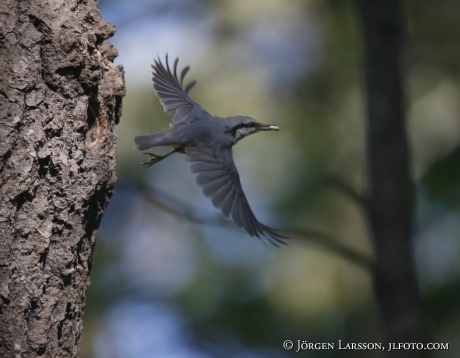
{"type": "Point", "coordinates": [60, 98]}
{"type": "Point", "coordinates": [390, 199]}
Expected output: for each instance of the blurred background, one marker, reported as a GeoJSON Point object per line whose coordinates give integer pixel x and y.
{"type": "Point", "coordinates": [167, 286]}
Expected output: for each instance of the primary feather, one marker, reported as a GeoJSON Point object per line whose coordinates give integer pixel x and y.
{"type": "Point", "coordinates": [168, 88]}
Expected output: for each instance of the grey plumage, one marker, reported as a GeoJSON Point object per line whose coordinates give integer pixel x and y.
{"type": "Point", "coordinates": [207, 141]}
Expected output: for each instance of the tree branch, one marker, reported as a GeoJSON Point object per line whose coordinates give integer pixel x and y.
{"type": "Point", "coordinates": [334, 246]}
{"type": "Point", "coordinates": [338, 183]}
{"type": "Point", "coordinates": [175, 207]}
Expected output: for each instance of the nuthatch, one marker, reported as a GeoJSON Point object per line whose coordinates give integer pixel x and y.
{"type": "Point", "coordinates": [207, 141]}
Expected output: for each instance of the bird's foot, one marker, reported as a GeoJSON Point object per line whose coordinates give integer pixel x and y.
{"type": "Point", "coordinates": [153, 160]}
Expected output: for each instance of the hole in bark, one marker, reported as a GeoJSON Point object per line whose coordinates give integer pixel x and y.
{"type": "Point", "coordinates": [52, 86]}
{"type": "Point", "coordinates": [43, 166]}
{"type": "Point", "coordinates": [67, 279]}
{"type": "Point", "coordinates": [41, 350]}
{"type": "Point", "coordinates": [5, 301]}
{"type": "Point", "coordinates": [32, 307]}
{"type": "Point", "coordinates": [53, 132]}
{"type": "Point", "coordinates": [70, 71]}
{"type": "Point", "coordinates": [53, 170]}
{"type": "Point", "coordinates": [118, 108]}
{"type": "Point", "coordinates": [92, 118]}
{"type": "Point", "coordinates": [6, 156]}
{"type": "Point", "coordinates": [93, 111]}
{"type": "Point", "coordinates": [39, 24]}
{"type": "Point", "coordinates": [21, 198]}
{"type": "Point", "coordinates": [43, 257]}
{"type": "Point", "coordinates": [60, 325]}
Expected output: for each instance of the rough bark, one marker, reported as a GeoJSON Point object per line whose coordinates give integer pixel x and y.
{"type": "Point", "coordinates": [390, 199]}
{"type": "Point", "coordinates": [60, 98]}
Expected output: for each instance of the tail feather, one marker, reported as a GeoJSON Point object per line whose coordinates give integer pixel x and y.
{"type": "Point", "coordinates": [154, 140]}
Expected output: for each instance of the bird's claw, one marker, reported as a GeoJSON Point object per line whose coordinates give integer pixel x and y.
{"type": "Point", "coordinates": [155, 159]}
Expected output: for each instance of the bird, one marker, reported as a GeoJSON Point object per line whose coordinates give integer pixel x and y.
{"type": "Point", "coordinates": [207, 141]}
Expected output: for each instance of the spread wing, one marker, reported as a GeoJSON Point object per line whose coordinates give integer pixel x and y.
{"type": "Point", "coordinates": [168, 87]}
{"type": "Point", "coordinates": [219, 178]}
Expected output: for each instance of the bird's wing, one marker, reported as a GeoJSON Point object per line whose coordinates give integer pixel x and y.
{"type": "Point", "coordinates": [173, 97]}
{"type": "Point", "coordinates": [218, 177]}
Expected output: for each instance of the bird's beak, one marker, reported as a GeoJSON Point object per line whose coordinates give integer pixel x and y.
{"type": "Point", "coordinates": [268, 127]}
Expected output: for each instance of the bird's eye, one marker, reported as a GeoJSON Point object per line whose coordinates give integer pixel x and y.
{"type": "Point", "coordinates": [252, 124]}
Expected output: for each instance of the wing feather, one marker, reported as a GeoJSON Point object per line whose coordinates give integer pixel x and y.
{"type": "Point", "coordinates": [173, 97]}
{"type": "Point", "coordinates": [219, 196]}
{"type": "Point", "coordinates": [234, 210]}
{"type": "Point", "coordinates": [228, 201]}
{"type": "Point", "coordinates": [189, 86]}
{"type": "Point", "coordinates": [218, 177]}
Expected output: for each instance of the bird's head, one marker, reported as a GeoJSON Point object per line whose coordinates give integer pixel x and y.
{"type": "Point", "coordinates": [242, 126]}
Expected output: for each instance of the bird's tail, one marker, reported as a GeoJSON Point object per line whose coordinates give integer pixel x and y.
{"type": "Point", "coordinates": [154, 140]}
